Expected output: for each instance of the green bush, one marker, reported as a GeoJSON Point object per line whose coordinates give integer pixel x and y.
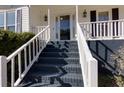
{"type": "Point", "coordinates": [10, 41]}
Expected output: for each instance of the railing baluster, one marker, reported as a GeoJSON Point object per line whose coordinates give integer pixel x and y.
{"type": "Point", "coordinates": [122, 28]}
{"type": "Point", "coordinates": [97, 31]}
{"type": "Point", "coordinates": [87, 27]}
{"type": "Point", "coordinates": [19, 64]}
{"type": "Point", "coordinates": [108, 29]}
{"type": "Point", "coordinates": [104, 29]}
{"type": "Point", "coordinates": [100, 31]}
{"type": "Point", "coordinates": [46, 35]}
{"type": "Point", "coordinates": [39, 44]}
{"type": "Point", "coordinates": [85, 30]}
{"type": "Point", "coordinates": [90, 30]}
{"type": "Point", "coordinates": [29, 53]}
{"type": "Point", "coordinates": [25, 57]}
{"type": "Point", "coordinates": [44, 39]}
{"type": "Point", "coordinates": [115, 28]}
{"type": "Point", "coordinates": [12, 72]}
{"type": "Point", "coordinates": [36, 46]}
{"type": "Point", "coordinates": [33, 49]}
{"type": "Point", "coordinates": [111, 29]}
{"type": "Point", "coordinates": [93, 30]}
{"type": "Point", "coordinates": [119, 30]}
{"type": "Point", "coordinates": [49, 33]}
{"type": "Point", "coordinates": [41, 38]}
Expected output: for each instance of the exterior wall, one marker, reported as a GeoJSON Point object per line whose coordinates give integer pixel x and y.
{"type": "Point", "coordinates": [99, 8]}
{"type": "Point", "coordinates": [25, 19]}
{"type": "Point", "coordinates": [37, 14]}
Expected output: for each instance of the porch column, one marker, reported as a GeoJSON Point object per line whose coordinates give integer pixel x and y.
{"type": "Point", "coordinates": [48, 16]}
{"type": "Point", "coordinates": [49, 23]}
{"type": "Point", "coordinates": [76, 13]}
{"type": "Point", "coordinates": [3, 71]}
{"type": "Point", "coordinates": [76, 19]}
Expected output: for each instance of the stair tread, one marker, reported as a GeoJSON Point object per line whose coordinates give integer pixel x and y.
{"type": "Point", "coordinates": [59, 55]}
{"type": "Point", "coordinates": [61, 61]}
{"type": "Point", "coordinates": [57, 66]}
{"type": "Point", "coordinates": [54, 65]}
{"type": "Point", "coordinates": [72, 80]}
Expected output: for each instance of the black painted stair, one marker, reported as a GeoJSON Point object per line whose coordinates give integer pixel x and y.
{"type": "Point", "coordinates": [58, 66]}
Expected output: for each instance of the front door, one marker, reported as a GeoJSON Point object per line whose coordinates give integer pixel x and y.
{"type": "Point", "coordinates": [63, 27]}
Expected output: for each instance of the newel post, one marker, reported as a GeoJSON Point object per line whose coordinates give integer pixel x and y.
{"type": "Point", "coordinates": [3, 71]}
{"type": "Point", "coordinates": [93, 73]}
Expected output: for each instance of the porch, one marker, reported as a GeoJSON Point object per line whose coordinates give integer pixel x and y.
{"type": "Point", "coordinates": [96, 23]}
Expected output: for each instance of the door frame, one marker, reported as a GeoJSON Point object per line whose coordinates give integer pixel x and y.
{"type": "Point", "coordinates": [57, 33]}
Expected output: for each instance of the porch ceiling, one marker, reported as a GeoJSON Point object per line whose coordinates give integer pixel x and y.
{"type": "Point", "coordinates": [54, 6]}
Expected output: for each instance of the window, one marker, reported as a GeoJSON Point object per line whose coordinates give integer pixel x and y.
{"type": "Point", "coordinates": [10, 21]}
{"type": "Point", "coordinates": [103, 16]}
{"type": "Point", "coordinates": [1, 20]}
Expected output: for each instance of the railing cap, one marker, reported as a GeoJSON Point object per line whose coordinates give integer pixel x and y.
{"type": "Point", "coordinates": [120, 20]}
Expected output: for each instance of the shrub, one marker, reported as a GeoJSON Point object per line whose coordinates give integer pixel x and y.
{"type": "Point", "coordinates": [10, 41]}
{"type": "Point", "coordinates": [118, 59]}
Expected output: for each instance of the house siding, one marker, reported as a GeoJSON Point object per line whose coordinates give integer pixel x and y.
{"type": "Point", "coordinates": [99, 8]}
{"type": "Point", "coordinates": [25, 19]}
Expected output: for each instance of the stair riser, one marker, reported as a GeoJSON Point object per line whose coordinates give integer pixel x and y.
{"type": "Point", "coordinates": [57, 82]}
{"type": "Point", "coordinates": [62, 46]}
{"type": "Point", "coordinates": [66, 69]}
{"type": "Point", "coordinates": [59, 50]}
{"type": "Point", "coordinates": [63, 61]}
{"type": "Point", "coordinates": [62, 42]}
{"type": "Point", "coordinates": [60, 55]}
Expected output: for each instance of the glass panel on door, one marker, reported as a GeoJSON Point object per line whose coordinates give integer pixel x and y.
{"type": "Point", "coordinates": [65, 27]}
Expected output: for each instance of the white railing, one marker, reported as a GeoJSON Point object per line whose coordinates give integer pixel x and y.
{"type": "Point", "coordinates": [103, 29]}
{"type": "Point", "coordinates": [37, 29]}
{"type": "Point", "coordinates": [88, 63]}
{"type": "Point", "coordinates": [23, 58]}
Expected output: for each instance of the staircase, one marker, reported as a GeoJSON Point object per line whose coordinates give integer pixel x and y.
{"type": "Point", "coordinates": [57, 66]}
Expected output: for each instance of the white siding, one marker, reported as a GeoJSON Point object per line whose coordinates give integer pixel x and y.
{"type": "Point", "coordinates": [37, 14]}
{"type": "Point", "coordinates": [25, 19]}
{"type": "Point", "coordinates": [99, 8]}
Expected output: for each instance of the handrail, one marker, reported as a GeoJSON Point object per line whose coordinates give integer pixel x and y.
{"type": "Point", "coordinates": [88, 63]}
{"type": "Point", "coordinates": [101, 21]}
{"type": "Point", "coordinates": [26, 44]}
{"type": "Point", "coordinates": [26, 55]}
